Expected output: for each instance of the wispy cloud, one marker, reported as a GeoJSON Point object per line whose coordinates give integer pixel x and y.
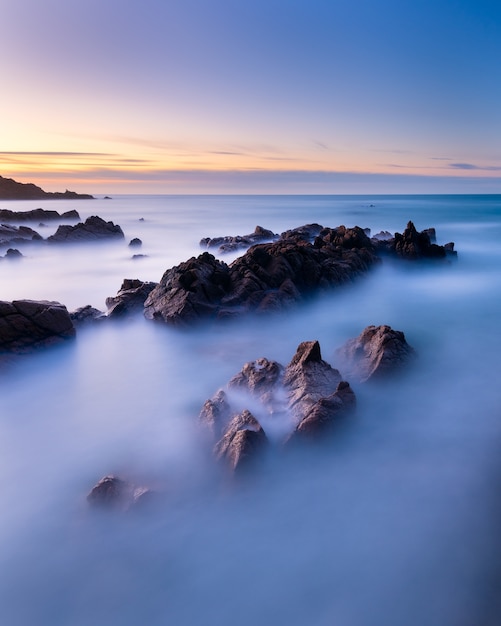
{"type": "Point", "coordinates": [472, 166]}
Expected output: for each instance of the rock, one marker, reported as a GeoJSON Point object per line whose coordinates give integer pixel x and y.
{"type": "Point", "coordinates": [378, 352]}
{"type": "Point", "coordinates": [12, 190]}
{"type": "Point", "coordinates": [13, 254]}
{"type": "Point", "coordinates": [136, 242]}
{"type": "Point", "coordinates": [267, 277]}
{"type": "Point", "coordinates": [136, 257]}
{"type": "Point", "coordinates": [242, 444]}
{"type": "Point", "coordinates": [28, 324]}
{"type": "Point", "coordinates": [303, 398]}
{"type": "Point", "coordinates": [17, 234]}
{"type": "Point", "coordinates": [113, 493]}
{"type": "Point", "coordinates": [231, 243]}
{"type": "Point", "coordinates": [86, 314]}
{"type": "Point", "coordinates": [413, 245]}
{"type": "Point", "coordinates": [130, 297]}
{"type": "Point", "coordinates": [93, 229]}
{"type": "Point", "coordinates": [36, 215]}
{"type": "Point", "coordinates": [325, 413]}
{"type": "Point", "coordinates": [308, 378]}
{"type": "Point", "coordinates": [216, 414]}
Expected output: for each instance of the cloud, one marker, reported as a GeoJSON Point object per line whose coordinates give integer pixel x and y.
{"type": "Point", "coordinates": [472, 166]}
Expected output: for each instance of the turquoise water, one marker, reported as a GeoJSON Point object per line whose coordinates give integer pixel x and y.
{"type": "Point", "coordinates": [396, 522]}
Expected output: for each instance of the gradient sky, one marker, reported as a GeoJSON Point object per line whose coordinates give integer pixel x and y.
{"type": "Point", "coordinates": [261, 96]}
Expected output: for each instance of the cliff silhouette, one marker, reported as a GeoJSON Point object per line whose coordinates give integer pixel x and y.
{"type": "Point", "coordinates": [12, 190]}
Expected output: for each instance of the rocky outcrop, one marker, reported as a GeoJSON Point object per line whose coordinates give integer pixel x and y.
{"type": "Point", "coordinates": [130, 298]}
{"type": "Point", "coordinates": [135, 243]}
{"type": "Point", "coordinates": [239, 242]}
{"type": "Point", "coordinates": [378, 352]}
{"type": "Point", "coordinates": [268, 277]}
{"type": "Point", "coordinates": [12, 254]}
{"type": "Point", "coordinates": [17, 234]}
{"type": "Point", "coordinates": [244, 441]}
{"type": "Point", "coordinates": [413, 245]}
{"type": "Point", "coordinates": [304, 399]}
{"type": "Point", "coordinates": [86, 314]}
{"type": "Point", "coordinates": [13, 190]}
{"type": "Point", "coordinates": [93, 229]}
{"type": "Point", "coordinates": [113, 493]}
{"type": "Point", "coordinates": [36, 215]}
{"type": "Point", "coordinates": [28, 324]}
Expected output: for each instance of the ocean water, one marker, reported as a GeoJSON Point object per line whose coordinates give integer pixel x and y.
{"type": "Point", "coordinates": [393, 522]}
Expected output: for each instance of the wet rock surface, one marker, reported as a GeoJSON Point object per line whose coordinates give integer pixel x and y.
{"type": "Point", "coordinates": [413, 245]}
{"type": "Point", "coordinates": [86, 314]}
{"type": "Point", "coordinates": [378, 352]}
{"type": "Point", "coordinates": [26, 325]}
{"type": "Point", "coordinates": [93, 229]}
{"type": "Point", "coordinates": [10, 235]}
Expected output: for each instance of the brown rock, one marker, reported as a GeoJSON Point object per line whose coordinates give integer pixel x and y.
{"type": "Point", "coordinates": [379, 351]}
{"type": "Point", "coordinates": [242, 444]}
{"type": "Point", "coordinates": [130, 297]}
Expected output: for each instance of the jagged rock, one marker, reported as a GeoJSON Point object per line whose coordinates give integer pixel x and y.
{"type": "Point", "coordinates": [383, 235]}
{"type": "Point", "coordinates": [231, 243]}
{"type": "Point", "coordinates": [29, 324]}
{"type": "Point", "coordinates": [267, 277]}
{"type": "Point", "coordinates": [136, 242]}
{"type": "Point", "coordinates": [113, 493]}
{"type": "Point", "coordinates": [86, 314]}
{"type": "Point", "coordinates": [93, 229]}
{"type": "Point", "coordinates": [308, 378]}
{"type": "Point", "coordinates": [12, 190]}
{"type": "Point", "coordinates": [377, 352]}
{"type": "Point", "coordinates": [305, 397]}
{"type": "Point", "coordinates": [243, 442]}
{"type": "Point", "coordinates": [216, 414]}
{"type": "Point", "coordinates": [413, 245]}
{"type": "Point", "coordinates": [17, 234]}
{"type": "Point", "coordinates": [325, 413]}
{"type": "Point", "coordinates": [36, 215]}
{"type": "Point", "coordinates": [130, 297]}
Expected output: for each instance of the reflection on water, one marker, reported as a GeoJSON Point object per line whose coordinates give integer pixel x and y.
{"type": "Point", "coordinates": [392, 522]}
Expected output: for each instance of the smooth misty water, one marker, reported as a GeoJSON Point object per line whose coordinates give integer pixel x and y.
{"type": "Point", "coordinates": [394, 522]}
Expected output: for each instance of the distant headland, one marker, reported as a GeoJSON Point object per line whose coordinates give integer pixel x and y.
{"type": "Point", "coordinates": [12, 190]}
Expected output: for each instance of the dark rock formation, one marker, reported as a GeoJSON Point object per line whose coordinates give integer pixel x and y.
{"type": "Point", "coordinates": [130, 298]}
{"type": "Point", "coordinates": [239, 242]}
{"type": "Point", "coordinates": [17, 234]}
{"type": "Point", "coordinates": [268, 277]}
{"type": "Point", "coordinates": [29, 324]}
{"type": "Point", "coordinates": [413, 245]}
{"type": "Point", "coordinates": [86, 314]}
{"type": "Point", "coordinates": [12, 254]}
{"type": "Point", "coordinates": [113, 493]}
{"type": "Point", "coordinates": [12, 190]}
{"type": "Point", "coordinates": [216, 414]}
{"type": "Point", "coordinates": [93, 229]}
{"type": "Point", "coordinates": [377, 352]}
{"type": "Point", "coordinates": [243, 442]}
{"type": "Point", "coordinates": [36, 215]}
{"type": "Point", "coordinates": [136, 242]}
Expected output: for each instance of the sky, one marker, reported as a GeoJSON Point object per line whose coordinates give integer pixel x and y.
{"type": "Point", "coordinates": [261, 96]}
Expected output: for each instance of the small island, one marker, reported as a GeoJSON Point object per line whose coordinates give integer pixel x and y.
{"type": "Point", "coordinates": [13, 190]}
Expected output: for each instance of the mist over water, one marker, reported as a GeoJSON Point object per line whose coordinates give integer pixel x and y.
{"type": "Point", "coordinates": [394, 521]}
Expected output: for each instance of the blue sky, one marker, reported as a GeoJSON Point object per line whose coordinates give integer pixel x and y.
{"type": "Point", "coordinates": [299, 95]}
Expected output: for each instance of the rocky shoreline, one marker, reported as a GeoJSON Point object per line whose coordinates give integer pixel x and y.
{"type": "Point", "coordinates": [308, 395]}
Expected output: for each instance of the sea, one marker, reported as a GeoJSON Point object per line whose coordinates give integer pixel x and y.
{"type": "Point", "coordinates": [394, 521]}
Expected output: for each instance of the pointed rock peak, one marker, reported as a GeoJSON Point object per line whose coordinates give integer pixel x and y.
{"type": "Point", "coordinates": [307, 352]}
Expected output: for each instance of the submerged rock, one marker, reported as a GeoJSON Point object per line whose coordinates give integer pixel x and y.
{"type": "Point", "coordinates": [135, 243]}
{"type": "Point", "coordinates": [113, 493]}
{"type": "Point", "coordinates": [93, 229]}
{"type": "Point", "coordinates": [17, 234]}
{"type": "Point", "coordinates": [379, 351]}
{"type": "Point", "coordinates": [86, 314]}
{"type": "Point", "coordinates": [29, 324]}
{"type": "Point", "coordinates": [36, 215]}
